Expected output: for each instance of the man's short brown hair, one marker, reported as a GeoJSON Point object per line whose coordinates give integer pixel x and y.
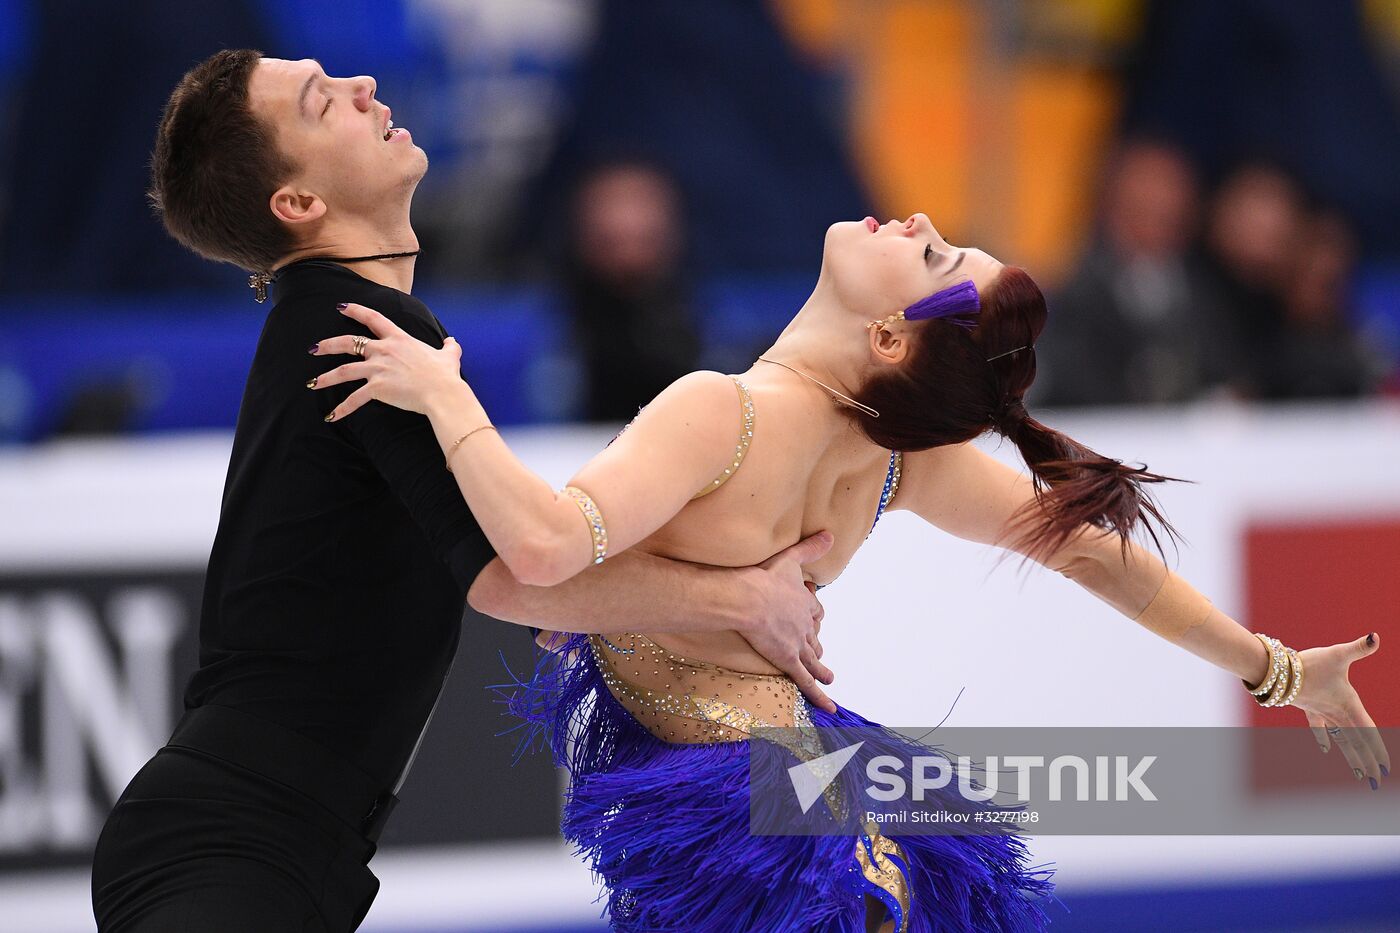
{"type": "Point", "coordinates": [215, 166]}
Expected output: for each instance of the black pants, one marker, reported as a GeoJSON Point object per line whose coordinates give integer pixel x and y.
{"type": "Point", "coordinates": [220, 833]}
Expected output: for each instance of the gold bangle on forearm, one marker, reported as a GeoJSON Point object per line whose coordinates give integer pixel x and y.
{"type": "Point", "coordinates": [1296, 663]}
{"type": "Point", "coordinates": [1284, 680]}
{"type": "Point", "coordinates": [1277, 665]}
{"type": "Point", "coordinates": [1276, 695]}
{"type": "Point", "coordinates": [595, 521]}
{"type": "Point", "coordinates": [447, 458]}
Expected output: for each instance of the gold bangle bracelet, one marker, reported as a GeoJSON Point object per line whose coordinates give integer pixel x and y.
{"type": "Point", "coordinates": [1297, 685]}
{"type": "Point", "coordinates": [1284, 682]}
{"type": "Point", "coordinates": [1284, 678]}
{"type": "Point", "coordinates": [1271, 674]}
{"type": "Point", "coordinates": [447, 458]}
{"type": "Point", "coordinates": [596, 527]}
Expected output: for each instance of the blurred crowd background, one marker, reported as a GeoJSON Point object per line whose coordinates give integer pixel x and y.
{"type": "Point", "coordinates": [624, 190]}
{"type": "Point", "coordinates": [621, 191]}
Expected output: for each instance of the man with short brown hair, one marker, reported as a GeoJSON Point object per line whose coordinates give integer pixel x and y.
{"type": "Point", "coordinates": [212, 165]}
{"type": "Point", "coordinates": [333, 598]}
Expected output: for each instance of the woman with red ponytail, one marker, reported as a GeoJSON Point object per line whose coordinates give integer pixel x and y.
{"type": "Point", "coordinates": [907, 350]}
{"type": "Point", "coordinates": [958, 382]}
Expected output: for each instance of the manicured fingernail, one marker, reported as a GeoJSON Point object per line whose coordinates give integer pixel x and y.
{"type": "Point", "coordinates": [1355, 771]}
{"type": "Point", "coordinates": [342, 306]}
{"type": "Point", "coordinates": [1385, 772]}
{"type": "Point", "coordinates": [1371, 640]}
{"type": "Point", "coordinates": [331, 417]}
{"type": "Point", "coordinates": [311, 383]}
{"type": "Point", "coordinates": [1374, 785]}
{"type": "Point", "coordinates": [314, 348]}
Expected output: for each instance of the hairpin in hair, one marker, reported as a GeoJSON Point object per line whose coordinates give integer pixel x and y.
{"type": "Point", "coordinates": [958, 304]}
{"type": "Point", "coordinates": [1009, 352]}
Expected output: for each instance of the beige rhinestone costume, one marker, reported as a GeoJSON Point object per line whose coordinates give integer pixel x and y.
{"type": "Point", "coordinates": [659, 751]}
{"type": "Point", "coordinates": [688, 701]}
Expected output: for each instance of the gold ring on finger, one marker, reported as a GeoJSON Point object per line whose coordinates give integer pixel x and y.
{"type": "Point", "coordinates": [359, 342]}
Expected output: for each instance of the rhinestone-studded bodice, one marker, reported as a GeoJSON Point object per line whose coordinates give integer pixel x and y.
{"type": "Point", "coordinates": [685, 701]}
{"type": "Point", "coordinates": [688, 701]}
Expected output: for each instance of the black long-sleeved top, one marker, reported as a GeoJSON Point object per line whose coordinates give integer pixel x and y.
{"type": "Point", "coordinates": [336, 586]}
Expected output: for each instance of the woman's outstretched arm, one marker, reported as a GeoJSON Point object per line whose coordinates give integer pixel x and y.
{"type": "Point", "coordinates": [974, 496]}
{"type": "Point", "coordinates": [677, 445]}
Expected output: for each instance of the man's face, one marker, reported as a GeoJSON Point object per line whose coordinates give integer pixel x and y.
{"type": "Point", "coordinates": [338, 134]}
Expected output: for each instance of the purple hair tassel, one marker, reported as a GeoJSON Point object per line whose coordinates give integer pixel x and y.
{"type": "Point", "coordinates": [958, 303]}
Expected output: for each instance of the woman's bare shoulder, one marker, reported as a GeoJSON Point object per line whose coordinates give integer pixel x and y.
{"type": "Point", "coordinates": [703, 392]}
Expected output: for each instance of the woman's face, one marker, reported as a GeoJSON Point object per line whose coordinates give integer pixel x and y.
{"type": "Point", "coordinates": [879, 270]}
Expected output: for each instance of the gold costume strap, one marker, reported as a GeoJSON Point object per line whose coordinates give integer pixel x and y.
{"type": "Point", "coordinates": [741, 448]}
{"type": "Point", "coordinates": [1177, 608]}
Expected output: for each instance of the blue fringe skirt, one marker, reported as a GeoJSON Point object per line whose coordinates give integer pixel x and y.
{"type": "Point", "coordinates": [666, 828]}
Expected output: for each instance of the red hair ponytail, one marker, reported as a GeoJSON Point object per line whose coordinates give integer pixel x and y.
{"type": "Point", "coordinates": [957, 383]}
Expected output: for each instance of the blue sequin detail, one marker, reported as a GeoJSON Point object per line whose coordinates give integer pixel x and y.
{"type": "Point", "coordinates": [617, 648]}
{"type": "Point", "coordinates": [884, 499]}
{"type": "Point", "coordinates": [885, 493]}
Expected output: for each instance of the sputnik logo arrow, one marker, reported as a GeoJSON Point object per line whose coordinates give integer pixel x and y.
{"type": "Point", "coordinates": [810, 778]}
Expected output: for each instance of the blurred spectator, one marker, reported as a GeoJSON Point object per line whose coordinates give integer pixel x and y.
{"type": "Point", "coordinates": [1134, 324]}
{"type": "Point", "coordinates": [751, 132]}
{"type": "Point", "coordinates": [101, 407]}
{"type": "Point", "coordinates": [1315, 352]}
{"type": "Point", "coordinates": [1283, 273]}
{"type": "Point", "coordinates": [1258, 310]}
{"type": "Point", "coordinates": [1254, 223]}
{"type": "Point", "coordinates": [1298, 80]}
{"type": "Point", "coordinates": [629, 299]}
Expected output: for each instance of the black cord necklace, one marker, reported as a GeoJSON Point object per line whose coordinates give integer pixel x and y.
{"type": "Point", "coordinates": [259, 281]}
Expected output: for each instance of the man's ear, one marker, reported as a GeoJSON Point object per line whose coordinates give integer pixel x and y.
{"type": "Point", "coordinates": [294, 206]}
{"type": "Point", "coordinates": [890, 343]}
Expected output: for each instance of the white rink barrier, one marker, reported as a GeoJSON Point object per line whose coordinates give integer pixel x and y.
{"type": "Point", "coordinates": [917, 617]}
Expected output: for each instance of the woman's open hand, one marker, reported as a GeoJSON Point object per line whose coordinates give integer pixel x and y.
{"type": "Point", "coordinates": [398, 369]}
{"type": "Point", "coordinates": [1334, 708]}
